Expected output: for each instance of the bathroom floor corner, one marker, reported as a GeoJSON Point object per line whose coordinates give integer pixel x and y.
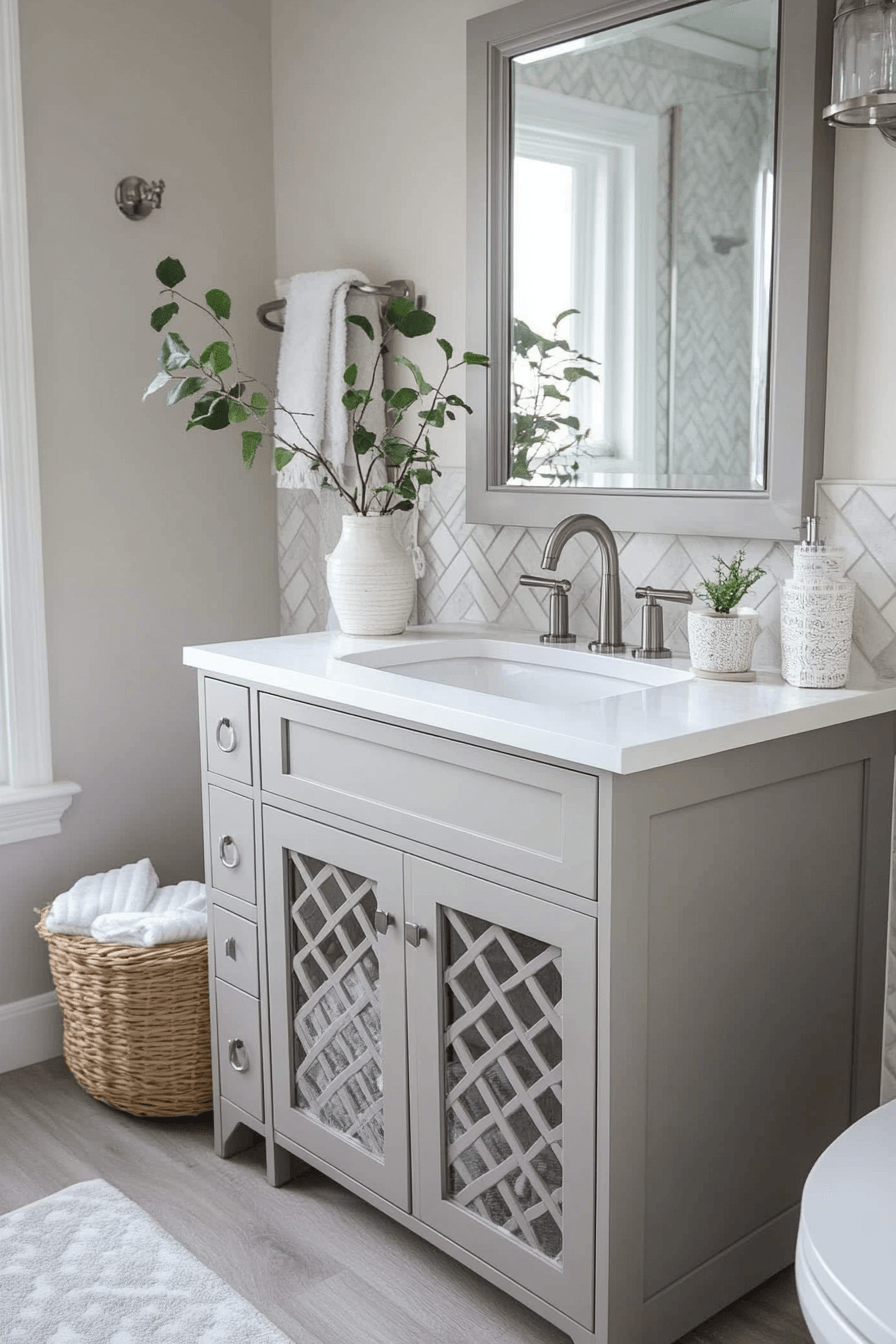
{"type": "Point", "coordinates": [324, 1265]}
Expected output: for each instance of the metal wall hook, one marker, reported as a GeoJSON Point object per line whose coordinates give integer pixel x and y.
{"type": "Point", "coordinates": [136, 198]}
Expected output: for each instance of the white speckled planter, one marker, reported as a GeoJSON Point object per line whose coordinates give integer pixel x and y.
{"type": "Point", "coordinates": [721, 642]}
{"type": "Point", "coordinates": [370, 578]}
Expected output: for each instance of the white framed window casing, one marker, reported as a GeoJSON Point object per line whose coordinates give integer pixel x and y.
{"type": "Point", "coordinates": [31, 803]}
{"type": "Point", "coordinates": [614, 156]}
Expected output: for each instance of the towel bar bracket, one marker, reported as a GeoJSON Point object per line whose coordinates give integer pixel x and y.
{"type": "Point", "coordinates": [392, 289]}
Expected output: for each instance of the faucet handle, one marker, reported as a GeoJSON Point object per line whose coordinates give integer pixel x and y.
{"type": "Point", "coordinates": [652, 619]}
{"type": "Point", "coordinates": [558, 611]}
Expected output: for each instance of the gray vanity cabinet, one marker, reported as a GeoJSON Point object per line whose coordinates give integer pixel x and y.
{"type": "Point", "coordinates": [584, 1031]}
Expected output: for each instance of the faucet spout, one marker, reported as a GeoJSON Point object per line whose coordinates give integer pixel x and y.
{"type": "Point", "coordinates": [610, 616]}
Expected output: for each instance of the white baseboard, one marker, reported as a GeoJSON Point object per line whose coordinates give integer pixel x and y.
{"type": "Point", "coordinates": [30, 1030]}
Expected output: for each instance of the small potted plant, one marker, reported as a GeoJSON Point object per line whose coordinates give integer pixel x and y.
{"type": "Point", "coordinates": [721, 637]}
{"type": "Point", "coordinates": [370, 577]}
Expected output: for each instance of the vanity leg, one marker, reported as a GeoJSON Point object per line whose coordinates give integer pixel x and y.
{"type": "Point", "coordinates": [231, 1135]}
{"type": "Point", "coordinates": [282, 1166]}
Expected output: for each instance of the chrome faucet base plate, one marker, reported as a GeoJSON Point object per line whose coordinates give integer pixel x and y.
{"type": "Point", "coordinates": [596, 647]}
{"type": "Point", "coordinates": [651, 653]}
{"type": "Point", "coordinates": [557, 639]}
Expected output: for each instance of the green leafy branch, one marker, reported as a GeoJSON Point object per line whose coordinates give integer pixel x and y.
{"type": "Point", "coordinates": [407, 461]}
{"type": "Point", "coordinates": [542, 433]}
{"type": "Point", "coordinates": [731, 583]}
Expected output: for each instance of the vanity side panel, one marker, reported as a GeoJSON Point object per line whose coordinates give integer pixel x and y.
{"type": "Point", "coordinates": [754, 903]}
{"type": "Point", "coordinates": [744, 900]}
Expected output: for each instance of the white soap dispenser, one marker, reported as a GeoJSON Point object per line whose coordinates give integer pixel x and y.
{"type": "Point", "coordinates": [816, 615]}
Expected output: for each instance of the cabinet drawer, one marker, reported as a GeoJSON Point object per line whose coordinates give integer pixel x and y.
{"type": "Point", "coordinates": [239, 1048]}
{"type": "Point", "coordinates": [231, 828]}
{"type": "Point", "coordinates": [236, 950]}
{"type": "Point", "coordinates": [227, 734]}
{"type": "Point", "coordinates": [525, 817]}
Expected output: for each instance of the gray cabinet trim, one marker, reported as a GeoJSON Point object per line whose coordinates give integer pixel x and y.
{"type": "Point", "coordinates": [511, 813]}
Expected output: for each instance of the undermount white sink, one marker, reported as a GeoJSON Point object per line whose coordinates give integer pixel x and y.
{"type": "Point", "coordinates": [536, 673]}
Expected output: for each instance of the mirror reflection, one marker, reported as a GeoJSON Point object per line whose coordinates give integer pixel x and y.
{"type": "Point", "coordinates": [641, 233]}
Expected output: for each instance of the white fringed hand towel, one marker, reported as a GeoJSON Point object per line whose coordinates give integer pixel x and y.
{"type": "Point", "coordinates": [128, 906]}
{"type": "Point", "coordinates": [316, 348]}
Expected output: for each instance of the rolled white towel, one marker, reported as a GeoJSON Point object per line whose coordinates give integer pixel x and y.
{"type": "Point", "coordinates": [122, 890]}
{"type": "Point", "coordinates": [175, 915]}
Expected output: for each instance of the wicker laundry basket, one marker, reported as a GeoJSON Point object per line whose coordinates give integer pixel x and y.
{"type": "Point", "coordinates": [135, 1021]}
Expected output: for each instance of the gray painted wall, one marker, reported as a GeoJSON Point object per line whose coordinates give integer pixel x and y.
{"type": "Point", "coordinates": [151, 539]}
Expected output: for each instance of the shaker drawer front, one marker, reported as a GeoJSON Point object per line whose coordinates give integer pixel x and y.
{"type": "Point", "coordinates": [231, 826]}
{"type": "Point", "coordinates": [239, 1049]}
{"type": "Point", "coordinates": [236, 950]}
{"type": "Point", "coordinates": [522, 816]}
{"type": "Point", "coordinates": [227, 734]}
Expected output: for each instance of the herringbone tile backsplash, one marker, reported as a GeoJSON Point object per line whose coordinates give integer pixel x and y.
{"type": "Point", "coordinates": [473, 570]}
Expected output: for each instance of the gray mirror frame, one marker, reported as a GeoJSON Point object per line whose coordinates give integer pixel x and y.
{"type": "Point", "coordinates": [800, 282]}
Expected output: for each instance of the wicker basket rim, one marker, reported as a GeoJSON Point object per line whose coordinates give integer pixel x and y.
{"type": "Point", "coordinates": [88, 949]}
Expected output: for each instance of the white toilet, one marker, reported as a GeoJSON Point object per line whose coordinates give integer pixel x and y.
{"type": "Point", "coordinates": [846, 1249]}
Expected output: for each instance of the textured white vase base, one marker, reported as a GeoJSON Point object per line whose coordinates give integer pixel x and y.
{"type": "Point", "coordinates": [88, 1266]}
{"type": "Point", "coordinates": [723, 676]}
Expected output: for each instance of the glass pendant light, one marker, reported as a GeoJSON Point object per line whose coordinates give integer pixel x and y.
{"type": "Point", "coordinates": [863, 85]}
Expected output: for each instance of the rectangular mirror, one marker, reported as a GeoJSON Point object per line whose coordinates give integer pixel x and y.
{"type": "Point", "coordinates": [649, 230]}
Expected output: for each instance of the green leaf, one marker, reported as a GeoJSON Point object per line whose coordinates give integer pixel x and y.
{"type": "Point", "coordinates": [399, 309]}
{"type": "Point", "coordinates": [282, 456]}
{"type": "Point", "coordinates": [185, 387]}
{"type": "Point", "coordinates": [362, 322]}
{"type": "Point", "coordinates": [423, 474]}
{"type": "Point", "coordinates": [550, 391]}
{"type": "Point", "coordinates": [162, 316]}
{"type": "Point", "coordinates": [159, 381]}
{"type": "Point", "coordinates": [170, 272]}
{"type": "Point", "coordinates": [354, 399]}
{"type": "Point", "coordinates": [446, 346]}
{"type": "Point", "coordinates": [174, 353]}
{"type": "Point", "coordinates": [417, 322]}
{"type": "Point", "coordinates": [216, 356]}
{"type": "Point", "coordinates": [454, 400]}
{"type": "Point", "coordinates": [435, 416]}
{"type": "Point", "coordinates": [211, 411]}
{"type": "Point", "coordinates": [251, 440]}
{"type": "Point", "coordinates": [573, 375]}
{"type": "Point", "coordinates": [396, 450]}
{"type": "Point", "coordinates": [567, 312]}
{"type": "Point", "coordinates": [350, 375]}
{"type": "Point", "coordinates": [237, 412]}
{"type": "Point", "coordinates": [259, 403]}
{"type": "Point", "coordinates": [423, 387]}
{"type": "Point", "coordinates": [219, 302]}
{"type": "Point", "coordinates": [403, 398]}
{"type": "Point", "coordinates": [388, 394]}
{"type": "Point", "coordinates": [363, 440]}
{"type": "Point", "coordinates": [470, 358]}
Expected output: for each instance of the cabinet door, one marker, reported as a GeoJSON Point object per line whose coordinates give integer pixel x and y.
{"type": "Point", "coordinates": [337, 990]}
{"type": "Point", "coordinates": [503, 1045]}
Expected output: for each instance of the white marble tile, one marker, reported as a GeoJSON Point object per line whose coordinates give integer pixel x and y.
{"type": "Point", "coordinates": [874, 581]}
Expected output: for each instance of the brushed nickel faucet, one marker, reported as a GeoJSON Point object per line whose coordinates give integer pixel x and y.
{"type": "Point", "coordinates": [610, 616]}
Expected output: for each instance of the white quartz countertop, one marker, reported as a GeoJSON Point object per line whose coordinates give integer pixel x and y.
{"type": "Point", "coordinates": [652, 726]}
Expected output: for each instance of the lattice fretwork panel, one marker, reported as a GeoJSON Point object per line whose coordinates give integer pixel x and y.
{"type": "Point", "coordinates": [336, 1000]}
{"type": "Point", "coordinates": [503, 1078]}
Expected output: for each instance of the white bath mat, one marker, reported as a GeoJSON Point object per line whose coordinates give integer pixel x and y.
{"type": "Point", "coordinates": [88, 1266]}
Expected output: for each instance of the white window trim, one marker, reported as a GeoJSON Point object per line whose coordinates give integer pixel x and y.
{"type": "Point", "coordinates": [31, 804]}
{"type": "Point", "coordinates": [545, 120]}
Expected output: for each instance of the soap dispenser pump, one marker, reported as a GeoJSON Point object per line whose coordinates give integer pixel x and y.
{"type": "Point", "coordinates": [816, 614]}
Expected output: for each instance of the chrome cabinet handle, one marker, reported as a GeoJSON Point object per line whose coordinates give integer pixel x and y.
{"type": "Point", "coordinates": [382, 920]}
{"type": "Point", "coordinates": [413, 933]}
{"type": "Point", "coordinates": [230, 948]}
{"type": "Point", "coordinates": [234, 1047]}
{"type": "Point", "coordinates": [223, 842]}
{"type": "Point", "coordinates": [228, 727]}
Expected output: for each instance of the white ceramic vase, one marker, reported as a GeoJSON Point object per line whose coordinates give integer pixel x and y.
{"type": "Point", "coordinates": [722, 642]}
{"type": "Point", "coordinates": [370, 578]}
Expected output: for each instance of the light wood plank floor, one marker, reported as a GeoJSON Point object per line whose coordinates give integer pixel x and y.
{"type": "Point", "coordinates": [321, 1264]}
